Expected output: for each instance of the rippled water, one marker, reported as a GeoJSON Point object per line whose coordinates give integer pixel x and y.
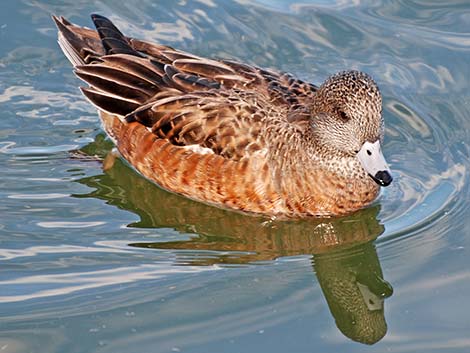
{"type": "Point", "coordinates": [93, 261]}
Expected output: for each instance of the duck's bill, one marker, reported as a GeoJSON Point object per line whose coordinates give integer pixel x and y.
{"type": "Point", "coordinates": [371, 157]}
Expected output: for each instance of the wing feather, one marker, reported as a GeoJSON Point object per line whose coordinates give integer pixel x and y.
{"type": "Point", "coordinates": [230, 125]}
{"type": "Point", "coordinates": [221, 105]}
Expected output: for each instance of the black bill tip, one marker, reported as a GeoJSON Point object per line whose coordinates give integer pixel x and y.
{"type": "Point", "coordinates": [383, 178]}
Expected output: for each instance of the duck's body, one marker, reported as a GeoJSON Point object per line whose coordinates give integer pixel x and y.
{"type": "Point", "coordinates": [230, 134]}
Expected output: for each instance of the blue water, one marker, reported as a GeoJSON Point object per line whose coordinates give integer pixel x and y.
{"type": "Point", "coordinates": [94, 261]}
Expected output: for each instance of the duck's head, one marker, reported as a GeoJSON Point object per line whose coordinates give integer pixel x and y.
{"type": "Point", "coordinates": [347, 121]}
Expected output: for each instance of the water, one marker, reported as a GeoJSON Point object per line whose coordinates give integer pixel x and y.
{"type": "Point", "coordinates": [107, 262]}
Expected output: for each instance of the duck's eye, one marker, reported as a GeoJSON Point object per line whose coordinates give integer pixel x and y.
{"type": "Point", "coordinates": [343, 115]}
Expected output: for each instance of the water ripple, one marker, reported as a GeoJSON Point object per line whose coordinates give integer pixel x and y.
{"type": "Point", "coordinates": [47, 285]}
{"type": "Point", "coordinates": [10, 254]}
{"type": "Point", "coordinates": [62, 224]}
{"type": "Point", "coordinates": [37, 196]}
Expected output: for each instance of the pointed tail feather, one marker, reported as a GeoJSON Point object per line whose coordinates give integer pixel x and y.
{"type": "Point", "coordinates": [65, 38]}
{"type": "Point", "coordinates": [80, 45]}
{"type": "Point", "coordinates": [114, 42]}
{"type": "Point", "coordinates": [119, 77]}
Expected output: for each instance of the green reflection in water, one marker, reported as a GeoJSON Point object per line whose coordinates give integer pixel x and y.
{"type": "Point", "coordinates": [352, 283]}
{"type": "Point", "coordinates": [344, 255]}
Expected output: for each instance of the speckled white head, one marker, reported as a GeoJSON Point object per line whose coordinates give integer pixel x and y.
{"type": "Point", "coordinates": [347, 122]}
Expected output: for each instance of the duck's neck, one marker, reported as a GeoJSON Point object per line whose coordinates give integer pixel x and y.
{"type": "Point", "coordinates": [326, 183]}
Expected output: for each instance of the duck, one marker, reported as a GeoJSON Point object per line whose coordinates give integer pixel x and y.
{"type": "Point", "coordinates": [230, 134]}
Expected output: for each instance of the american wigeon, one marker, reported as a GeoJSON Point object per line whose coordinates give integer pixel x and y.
{"type": "Point", "coordinates": [230, 134]}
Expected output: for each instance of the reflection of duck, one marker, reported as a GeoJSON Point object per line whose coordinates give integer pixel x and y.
{"type": "Point", "coordinates": [344, 260]}
{"type": "Point", "coordinates": [352, 282]}
{"type": "Point", "coordinates": [230, 134]}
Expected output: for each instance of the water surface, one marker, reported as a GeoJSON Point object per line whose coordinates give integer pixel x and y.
{"type": "Point", "coordinates": [106, 261]}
